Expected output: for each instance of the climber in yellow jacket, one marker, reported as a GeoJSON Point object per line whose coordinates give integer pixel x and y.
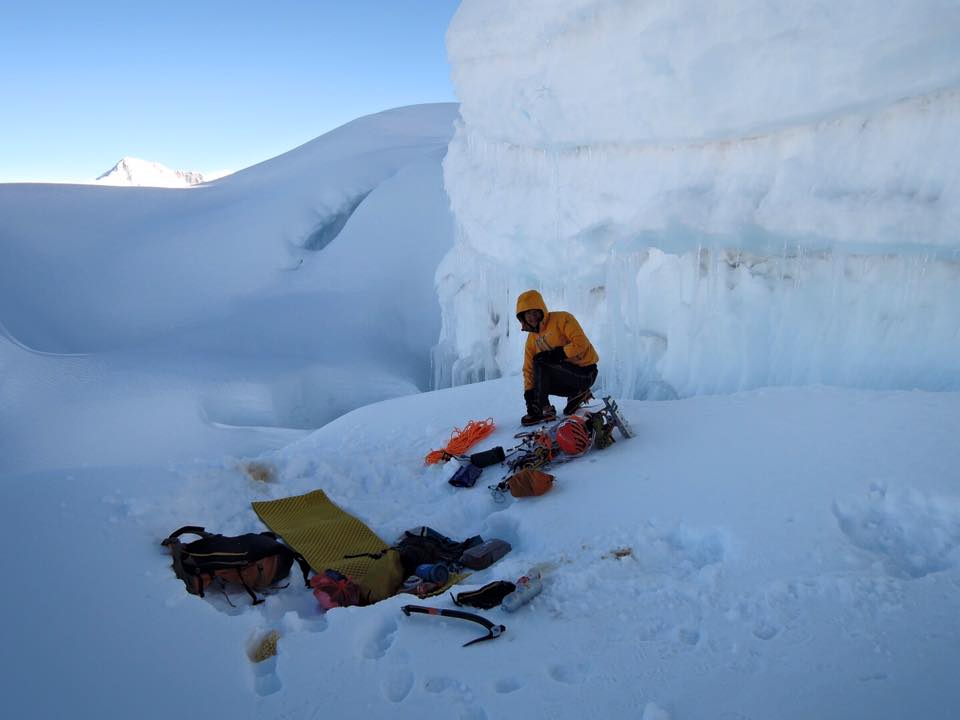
{"type": "Point", "coordinates": [558, 359]}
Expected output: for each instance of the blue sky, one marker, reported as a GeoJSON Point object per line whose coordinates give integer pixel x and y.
{"type": "Point", "coordinates": [203, 85]}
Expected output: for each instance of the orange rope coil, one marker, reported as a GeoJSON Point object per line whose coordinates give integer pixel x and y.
{"type": "Point", "coordinates": [462, 440]}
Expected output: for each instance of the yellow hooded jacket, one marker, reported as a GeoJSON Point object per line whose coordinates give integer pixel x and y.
{"type": "Point", "coordinates": [557, 329]}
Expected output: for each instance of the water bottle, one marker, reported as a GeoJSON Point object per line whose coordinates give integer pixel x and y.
{"type": "Point", "coordinates": [433, 572]}
{"type": "Point", "coordinates": [528, 587]}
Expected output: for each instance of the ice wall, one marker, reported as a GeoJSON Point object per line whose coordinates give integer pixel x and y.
{"type": "Point", "coordinates": [727, 194]}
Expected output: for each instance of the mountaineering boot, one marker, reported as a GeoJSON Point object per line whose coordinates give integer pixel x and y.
{"type": "Point", "coordinates": [574, 403]}
{"type": "Point", "coordinates": [536, 415]}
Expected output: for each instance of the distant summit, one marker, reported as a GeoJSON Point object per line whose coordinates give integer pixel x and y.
{"type": "Point", "coordinates": [143, 173]}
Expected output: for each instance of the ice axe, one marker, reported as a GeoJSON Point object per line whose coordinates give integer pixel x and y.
{"type": "Point", "coordinates": [493, 631]}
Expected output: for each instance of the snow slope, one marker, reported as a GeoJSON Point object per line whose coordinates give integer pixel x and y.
{"type": "Point", "coordinates": [787, 553]}
{"type": "Point", "coordinates": [269, 298]}
{"type": "Point", "coordinates": [206, 249]}
{"type": "Point", "coordinates": [732, 194]}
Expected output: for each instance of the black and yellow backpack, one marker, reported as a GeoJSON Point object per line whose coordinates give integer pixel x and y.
{"type": "Point", "coordinates": [256, 560]}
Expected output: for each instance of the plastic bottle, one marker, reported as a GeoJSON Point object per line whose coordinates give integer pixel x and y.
{"type": "Point", "coordinates": [433, 572]}
{"type": "Point", "coordinates": [528, 587]}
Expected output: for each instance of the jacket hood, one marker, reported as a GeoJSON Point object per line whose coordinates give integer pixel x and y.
{"type": "Point", "coordinates": [530, 300]}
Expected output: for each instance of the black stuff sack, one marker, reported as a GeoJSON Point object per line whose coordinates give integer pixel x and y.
{"type": "Point", "coordinates": [493, 456]}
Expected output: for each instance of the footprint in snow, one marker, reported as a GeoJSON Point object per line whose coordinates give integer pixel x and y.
{"type": "Point", "coordinates": [507, 685]}
{"type": "Point", "coordinates": [262, 653]}
{"type": "Point", "coordinates": [568, 674]}
{"type": "Point", "coordinates": [377, 638]}
{"type": "Point", "coordinates": [437, 685]}
{"type": "Point", "coordinates": [397, 685]}
{"type": "Point", "coordinates": [461, 695]}
{"type": "Point", "coordinates": [265, 678]}
{"type": "Point", "coordinates": [765, 631]}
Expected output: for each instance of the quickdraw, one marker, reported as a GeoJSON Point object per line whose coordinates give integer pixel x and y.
{"type": "Point", "coordinates": [536, 448]}
{"type": "Point", "coordinates": [493, 631]}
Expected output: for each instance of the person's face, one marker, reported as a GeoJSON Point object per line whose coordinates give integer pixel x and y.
{"type": "Point", "coordinates": [533, 317]}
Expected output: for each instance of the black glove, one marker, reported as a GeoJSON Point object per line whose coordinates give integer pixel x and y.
{"type": "Point", "coordinates": [551, 357]}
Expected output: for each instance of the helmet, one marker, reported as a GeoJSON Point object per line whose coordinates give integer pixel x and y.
{"type": "Point", "coordinates": [573, 436]}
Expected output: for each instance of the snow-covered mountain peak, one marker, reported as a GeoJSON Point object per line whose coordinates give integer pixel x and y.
{"type": "Point", "coordinates": [144, 173]}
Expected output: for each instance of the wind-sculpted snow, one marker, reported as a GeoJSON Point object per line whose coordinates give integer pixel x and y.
{"type": "Point", "coordinates": [723, 195]}
{"type": "Point", "coordinates": [270, 301]}
{"type": "Point", "coordinates": [912, 533]}
{"type": "Point", "coordinates": [85, 268]}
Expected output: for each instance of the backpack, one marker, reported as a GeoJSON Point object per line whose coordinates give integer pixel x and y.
{"type": "Point", "coordinates": [255, 561]}
{"type": "Point", "coordinates": [424, 546]}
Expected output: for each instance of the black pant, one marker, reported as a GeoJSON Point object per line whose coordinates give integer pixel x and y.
{"type": "Point", "coordinates": [564, 379]}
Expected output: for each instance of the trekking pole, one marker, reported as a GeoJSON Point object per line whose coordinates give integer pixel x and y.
{"type": "Point", "coordinates": [493, 631]}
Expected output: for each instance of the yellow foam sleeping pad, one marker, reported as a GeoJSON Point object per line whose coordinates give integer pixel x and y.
{"type": "Point", "coordinates": [325, 535]}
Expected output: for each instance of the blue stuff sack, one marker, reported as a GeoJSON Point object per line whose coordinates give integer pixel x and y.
{"type": "Point", "coordinates": [466, 476]}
